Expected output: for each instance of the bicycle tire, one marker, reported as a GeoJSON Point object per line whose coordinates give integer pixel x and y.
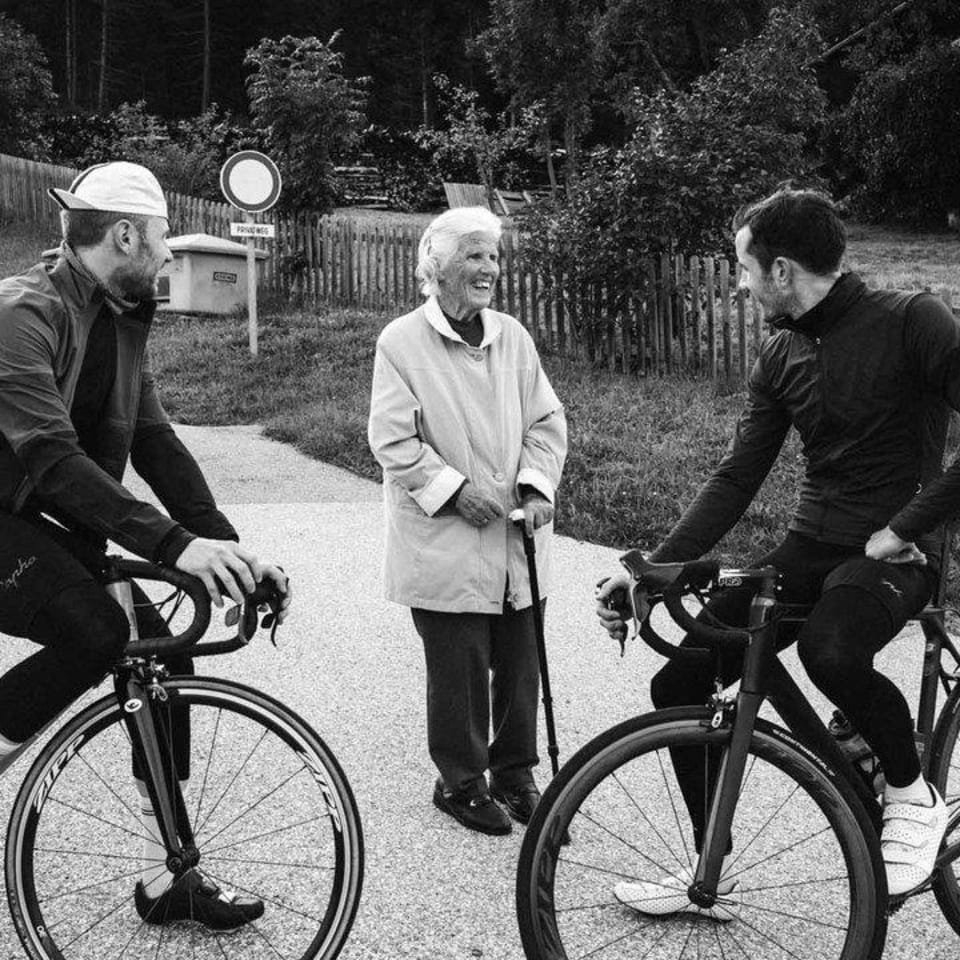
{"type": "Point", "coordinates": [619, 800]}
{"type": "Point", "coordinates": [272, 811]}
{"type": "Point", "coordinates": [945, 776]}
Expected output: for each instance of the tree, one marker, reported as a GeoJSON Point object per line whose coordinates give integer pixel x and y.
{"type": "Point", "coordinates": [471, 137]}
{"type": "Point", "coordinates": [26, 88]}
{"type": "Point", "coordinates": [694, 157]}
{"type": "Point", "coordinates": [307, 112]}
{"type": "Point", "coordinates": [541, 51]}
{"type": "Point", "coordinates": [894, 145]}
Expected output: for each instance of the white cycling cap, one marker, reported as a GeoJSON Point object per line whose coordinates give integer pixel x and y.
{"type": "Point", "coordinates": [118, 187]}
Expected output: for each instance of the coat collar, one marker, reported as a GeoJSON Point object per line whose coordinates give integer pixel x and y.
{"type": "Point", "coordinates": [820, 318]}
{"type": "Point", "coordinates": [492, 324]}
{"type": "Point", "coordinates": [85, 288]}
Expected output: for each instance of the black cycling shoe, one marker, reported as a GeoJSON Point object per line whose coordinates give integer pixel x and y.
{"type": "Point", "coordinates": [476, 811]}
{"type": "Point", "coordinates": [192, 897]}
{"type": "Point", "coordinates": [520, 800]}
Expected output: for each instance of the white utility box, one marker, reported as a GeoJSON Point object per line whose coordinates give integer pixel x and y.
{"type": "Point", "coordinates": [207, 275]}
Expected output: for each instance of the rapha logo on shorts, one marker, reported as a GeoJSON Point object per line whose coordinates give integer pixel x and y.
{"type": "Point", "coordinates": [12, 581]}
{"type": "Point", "coordinates": [897, 591]}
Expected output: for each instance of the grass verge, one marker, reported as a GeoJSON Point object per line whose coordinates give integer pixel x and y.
{"type": "Point", "coordinates": [638, 449]}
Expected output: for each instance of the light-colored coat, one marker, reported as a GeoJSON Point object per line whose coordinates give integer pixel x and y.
{"type": "Point", "coordinates": [442, 412]}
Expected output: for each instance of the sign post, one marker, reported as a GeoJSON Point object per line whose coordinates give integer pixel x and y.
{"type": "Point", "coordinates": [251, 182]}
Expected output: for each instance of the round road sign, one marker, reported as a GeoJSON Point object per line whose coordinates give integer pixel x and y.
{"type": "Point", "coordinates": [250, 180]}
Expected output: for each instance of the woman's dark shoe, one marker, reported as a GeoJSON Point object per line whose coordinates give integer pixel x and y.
{"type": "Point", "coordinates": [192, 897]}
{"type": "Point", "coordinates": [520, 800]}
{"type": "Point", "coordinates": [476, 811]}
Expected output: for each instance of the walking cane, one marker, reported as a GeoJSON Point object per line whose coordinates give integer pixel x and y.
{"type": "Point", "coordinates": [530, 549]}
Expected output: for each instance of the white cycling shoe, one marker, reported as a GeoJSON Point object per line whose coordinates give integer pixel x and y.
{"type": "Point", "coordinates": [910, 841]}
{"type": "Point", "coordinates": [668, 895]}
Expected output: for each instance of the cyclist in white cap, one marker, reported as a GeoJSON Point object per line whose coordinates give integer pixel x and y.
{"type": "Point", "coordinates": [77, 400]}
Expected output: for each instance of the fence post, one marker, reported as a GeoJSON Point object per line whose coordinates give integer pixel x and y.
{"type": "Point", "coordinates": [680, 308]}
{"type": "Point", "coordinates": [666, 278]}
{"type": "Point", "coordinates": [725, 315]}
{"type": "Point", "coordinates": [695, 312]}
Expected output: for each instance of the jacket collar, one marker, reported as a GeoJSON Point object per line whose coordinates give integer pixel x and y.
{"type": "Point", "coordinates": [820, 318]}
{"type": "Point", "coordinates": [492, 324]}
{"type": "Point", "coordinates": [87, 288]}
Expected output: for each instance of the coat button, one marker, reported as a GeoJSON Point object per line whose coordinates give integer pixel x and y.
{"type": "Point", "coordinates": [498, 477]}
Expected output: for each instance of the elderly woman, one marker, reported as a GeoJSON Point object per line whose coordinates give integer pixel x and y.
{"type": "Point", "coordinates": [467, 429]}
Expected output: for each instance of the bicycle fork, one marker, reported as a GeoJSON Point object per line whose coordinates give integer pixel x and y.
{"type": "Point", "coordinates": [717, 839]}
{"type": "Point", "coordinates": [142, 697]}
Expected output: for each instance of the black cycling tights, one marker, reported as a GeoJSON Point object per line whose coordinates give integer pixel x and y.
{"type": "Point", "coordinates": [836, 646]}
{"type": "Point", "coordinates": [48, 596]}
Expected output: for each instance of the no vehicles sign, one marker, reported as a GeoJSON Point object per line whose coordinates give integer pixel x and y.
{"type": "Point", "coordinates": [251, 181]}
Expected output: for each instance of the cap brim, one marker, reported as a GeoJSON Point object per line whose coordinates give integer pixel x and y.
{"type": "Point", "coordinates": [68, 200]}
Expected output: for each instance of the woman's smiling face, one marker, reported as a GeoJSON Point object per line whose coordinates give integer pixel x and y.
{"type": "Point", "coordinates": [467, 281]}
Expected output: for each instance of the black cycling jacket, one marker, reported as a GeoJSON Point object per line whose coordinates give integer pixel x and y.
{"type": "Point", "coordinates": [45, 318]}
{"type": "Point", "coordinates": [866, 377]}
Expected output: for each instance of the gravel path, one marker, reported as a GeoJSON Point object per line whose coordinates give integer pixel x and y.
{"type": "Point", "coordinates": [351, 664]}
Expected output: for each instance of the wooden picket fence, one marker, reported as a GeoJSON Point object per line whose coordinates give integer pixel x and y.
{"type": "Point", "coordinates": [690, 319]}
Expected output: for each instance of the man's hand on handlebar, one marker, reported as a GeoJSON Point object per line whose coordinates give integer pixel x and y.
{"type": "Point", "coordinates": [227, 567]}
{"type": "Point", "coordinates": [613, 605]}
{"type": "Point", "coordinates": [282, 582]}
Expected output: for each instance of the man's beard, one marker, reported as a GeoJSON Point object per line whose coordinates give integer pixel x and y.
{"type": "Point", "coordinates": [132, 283]}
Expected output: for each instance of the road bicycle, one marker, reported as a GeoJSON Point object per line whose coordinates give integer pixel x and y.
{"type": "Point", "coordinates": [263, 808]}
{"type": "Point", "coordinates": [790, 864]}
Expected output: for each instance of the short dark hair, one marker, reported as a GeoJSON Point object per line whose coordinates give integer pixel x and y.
{"type": "Point", "coordinates": [800, 224]}
{"type": "Point", "coordinates": [87, 228]}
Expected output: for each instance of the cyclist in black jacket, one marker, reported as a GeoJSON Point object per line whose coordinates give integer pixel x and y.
{"type": "Point", "coordinates": [77, 399]}
{"type": "Point", "coordinates": [867, 378]}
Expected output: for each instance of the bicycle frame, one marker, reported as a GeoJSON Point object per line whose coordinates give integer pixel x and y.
{"type": "Point", "coordinates": [765, 678]}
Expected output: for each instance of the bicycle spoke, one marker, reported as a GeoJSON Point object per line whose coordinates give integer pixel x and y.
{"type": "Point", "coordinates": [91, 886]}
{"type": "Point", "coordinates": [207, 765]}
{"type": "Point", "coordinates": [623, 840]}
{"type": "Point", "coordinates": [97, 855]}
{"type": "Point", "coordinates": [646, 819]}
{"type": "Point", "coordinates": [93, 816]}
{"type": "Point", "coordinates": [673, 807]}
{"type": "Point", "coordinates": [773, 940]}
{"type": "Point", "coordinates": [763, 827]}
{"type": "Point", "coordinates": [796, 916]}
{"type": "Point", "coordinates": [259, 836]}
{"type": "Point", "coordinates": [778, 853]}
{"type": "Point", "coordinates": [266, 863]}
{"type": "Point", "coordinates": [123, 803]}
{"type": "Point", "coordinates": [793, 883]}
{"type": "Point", "coordinates": [254, 806]}
{"type": "Point", "coordinates": [266, 898]}
{"type": "Point", "coordinates": [231, 782]}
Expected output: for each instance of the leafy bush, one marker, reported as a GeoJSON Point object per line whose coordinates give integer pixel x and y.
{"type": "Point", "coordinates": [185, 156]}
{"type": "Point", "coordinates": [411, 178]}
{"type": "Point", "coordinates": [693, 158]}
{"type": "Point", "coordinates": [896, 139]}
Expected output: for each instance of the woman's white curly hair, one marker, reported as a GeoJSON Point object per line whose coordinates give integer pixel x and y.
{"type": "Point", "coordinates": [442, 237]}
